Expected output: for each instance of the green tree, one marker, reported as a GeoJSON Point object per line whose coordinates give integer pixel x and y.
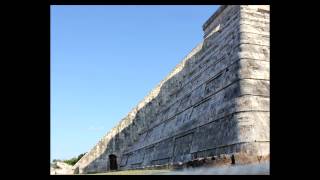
{"type": "Point", "coordinates": [80, 156]}
{"type": "Point", "coordinates": [74, 160]}
{"type": "Point", "coordinates": [56, 160]}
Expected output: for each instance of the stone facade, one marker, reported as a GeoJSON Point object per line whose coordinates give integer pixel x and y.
{"type": "Point", "coordinates": [215, 103]}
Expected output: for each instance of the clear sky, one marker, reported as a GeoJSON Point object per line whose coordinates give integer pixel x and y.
{"type": "Point", "coordinates": [105, 59]}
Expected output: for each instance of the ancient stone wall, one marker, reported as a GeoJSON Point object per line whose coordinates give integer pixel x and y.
{"type": "Point", "coordinates": [215, 102]}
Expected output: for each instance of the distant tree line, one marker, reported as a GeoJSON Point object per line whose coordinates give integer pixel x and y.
{"type": "Point", "coordinates": [71, 161]}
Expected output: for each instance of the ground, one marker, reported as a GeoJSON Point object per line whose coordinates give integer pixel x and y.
{"type": "Point", "coordinates": [136, 172]}
{"type": "Point", "coordinates": [250, 169]}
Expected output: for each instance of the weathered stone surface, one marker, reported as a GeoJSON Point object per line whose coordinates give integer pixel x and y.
{"type": "Point", "coordinates": [215, 103]}
{"type": "Point", "coordinates": [60, 168]}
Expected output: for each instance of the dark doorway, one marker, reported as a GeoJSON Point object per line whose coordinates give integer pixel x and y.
{"type": "Point", "coordinates": [113, 162]}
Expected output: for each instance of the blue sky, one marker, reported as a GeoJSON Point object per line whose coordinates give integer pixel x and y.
{"type": "Point", "coordinates": [105, 59]}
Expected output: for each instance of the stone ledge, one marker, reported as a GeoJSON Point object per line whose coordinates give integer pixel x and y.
{"type": "Point", "coordinates": [214, 16]}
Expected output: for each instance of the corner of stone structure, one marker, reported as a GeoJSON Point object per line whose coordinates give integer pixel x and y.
{"type": "Point", "coordinates": [252, 60]}
{"type": "Point", "coordinates": [254, 81]}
